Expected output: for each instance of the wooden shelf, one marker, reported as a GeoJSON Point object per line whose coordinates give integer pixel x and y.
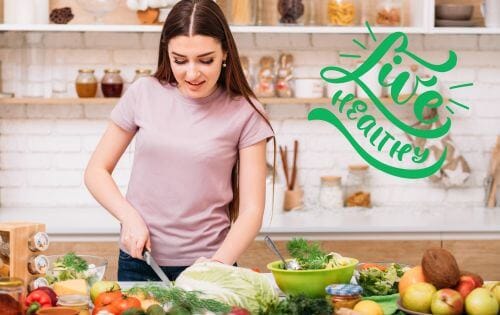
{"type": "Point", "coordinates": [112, 101]}
{"type": "Point", "coordinates": [234, 29]}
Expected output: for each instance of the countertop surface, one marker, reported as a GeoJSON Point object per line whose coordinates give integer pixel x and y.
{"type": "Point", "coordinates": [379, 220]}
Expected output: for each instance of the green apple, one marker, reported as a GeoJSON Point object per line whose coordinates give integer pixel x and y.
{"type": "Point", "coordinates": [447, 302]}
{"type": "Point", "coordinates": [481, 301]}
{"type": "Point", "coordinates": [103, 286]}
{"type": "Point", "coordinates": [418, 297]}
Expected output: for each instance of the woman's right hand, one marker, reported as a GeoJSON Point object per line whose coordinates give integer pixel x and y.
{"type": "Point", "coordinates": [135, 236]}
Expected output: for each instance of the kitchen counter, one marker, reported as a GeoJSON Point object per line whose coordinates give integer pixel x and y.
{"type": "Point", "coordinates": [91, 224]}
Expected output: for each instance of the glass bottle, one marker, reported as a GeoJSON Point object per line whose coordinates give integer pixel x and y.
{"type": "Point", "coordinates": [330, 193]}
{"type": "Point", "coordinates": [12, 295]}
{"type": "Point", "coordinates": [389, 13]}
{"type": "Point", "coordinates": [241, 12]}
{"type": "Point", "coordinates": [267, 12]}
{"type": "Point", "coordinates": [357, 187]}
{"type": "Point", "coordinates": [342, 12]}
{"type": "Point", "coordinates": [86, 83]}
{"type": "Point", "coordinates": [33, 75]}
{"type": "Point", "coordinates": [112, 83]}
{"type": "Point", "coordinates": [139, 73]}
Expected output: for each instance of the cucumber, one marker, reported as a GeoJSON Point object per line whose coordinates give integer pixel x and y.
{"type": "Point", "coordinates": [133, 311]}
{"type": "Point", "coordinates": [155, 309]}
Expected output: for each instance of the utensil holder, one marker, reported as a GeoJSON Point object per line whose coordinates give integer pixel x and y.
{"type": "Point", "coordinates": [293, 199]}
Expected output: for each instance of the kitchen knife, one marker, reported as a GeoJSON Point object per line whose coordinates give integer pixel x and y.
{"type": "Point", "coordinates": [148, 258]}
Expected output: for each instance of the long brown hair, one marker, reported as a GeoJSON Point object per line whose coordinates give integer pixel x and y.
{"type": "Point", "coordinates": [204, 17]}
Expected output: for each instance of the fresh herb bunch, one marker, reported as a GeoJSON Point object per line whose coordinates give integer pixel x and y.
{"type": "Point", "coordinates": [377, 281]}
{"type": "Point", "coordinates": [68, 267]}
{"type": "Point", "coordinates": [298, 305]}
{"type": "Point", "coordinates": [309, 256]}
{"type": "Point", "coordinates": [177, 297]}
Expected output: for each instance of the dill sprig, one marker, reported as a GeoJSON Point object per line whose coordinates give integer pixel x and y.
{"type": "Point", "coordinates": [309, 256]}
{"type": "Point", "coordinates": [189, 300]}
{"type": "Point", "coordinates": [72, 261]}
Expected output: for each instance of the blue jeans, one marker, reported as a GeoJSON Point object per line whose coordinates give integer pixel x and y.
{"type": "Point", "coordinates": [133, 269]}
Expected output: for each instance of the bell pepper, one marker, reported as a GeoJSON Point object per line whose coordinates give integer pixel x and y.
{"type": "Point", "coordinates": [36, 300]}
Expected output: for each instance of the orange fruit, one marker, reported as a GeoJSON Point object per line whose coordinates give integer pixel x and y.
{"type": "Point", "coordinates": [367, 307]}
{"type": "Point", "coordinates": [412, 276]}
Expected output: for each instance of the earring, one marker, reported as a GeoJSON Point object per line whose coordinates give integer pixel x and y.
{"type": "Point", "coordinates": [224, 64]}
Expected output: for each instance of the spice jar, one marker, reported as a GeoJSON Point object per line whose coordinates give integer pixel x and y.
{"type": "Point", "coordinates": [139, 73]}
{"type": "Point", "coordinates": [241, 12]}
{"type": "Point", "coordinates": [330, 193]}
{"type": "Point", "coordinates": [76, 302]}
{"type": "Point", "coordinates": [11, 296]}
{"type": "Point", "coordinates": [344, 295]}
{"type": "Point", "coordinates": [112, 83]}
{"type": "Point", "coordinates": [342, 12]}
{"type": "Point", "coordinates": [292, 11]}
{"type": "Point", "coordinates": [389, 13]}
{"type": "Point", "coordinates": [86, 83]}
{"type": "Point", "coordinates": [357, 187]}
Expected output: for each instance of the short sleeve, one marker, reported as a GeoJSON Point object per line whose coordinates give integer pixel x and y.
{"type": "Point", "coordinates": [125, 111]}
{"type": "Point", "coordinates": [255, 130]}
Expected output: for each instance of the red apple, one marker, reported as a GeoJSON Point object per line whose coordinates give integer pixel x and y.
{"type": "Point", "coordinates": [477, 278]}
{"type": "Point", "coordinates": [481, 302]}
{"type": "Point", "coordinates": [465, 286]}
{"type": "Point", "coordinates": [239, 311]}
{"type": "Point", "coordinates": [447, 302]}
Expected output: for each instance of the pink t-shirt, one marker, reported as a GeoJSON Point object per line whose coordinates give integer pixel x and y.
{"type": "Point", "coordinates": [184, 153]}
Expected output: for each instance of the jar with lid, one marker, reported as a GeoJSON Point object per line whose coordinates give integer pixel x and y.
{"type": "Point", "coordinates": [307, 83]}
{"type": "Point", "coordinates": [112, 83]}
{"type": "Point", "coordinates": [357, 187]}
{"type": "Point", "coordinates": [241, 12]}
{"type": "Point", "coordinates": [344, 295]}
{"type": "Point", "coordinates": [86, 83]}
{"type": "Point", "coordinates": [77, 302]}
{"type": "Point", "coordinates": [389, 13]}
{"type": "Point", "coordinates": [11, 296]}
{"type": "Point", "coordinates": [330, 192]}
{"type": "Point", "coordinates": [292, 11]}
{"type": "Point", "coordinates": [33, 62]}
{"type": "Point", "coordinates": [139, 73]}
{"type": "Point", "coordinates": [342, 12]}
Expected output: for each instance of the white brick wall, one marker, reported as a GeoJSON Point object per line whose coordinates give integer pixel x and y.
{"type": "Point", "coordinates": [44, 149]}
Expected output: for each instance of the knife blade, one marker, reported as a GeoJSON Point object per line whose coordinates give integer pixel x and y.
{"type": "Point", "coordinates": [148, 258]}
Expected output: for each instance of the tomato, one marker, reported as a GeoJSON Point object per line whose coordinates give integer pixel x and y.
{"type": "Point", "coordinates": [108, 308]}
{"type": "Point", "coordinates": [106, 298]}
{"type": "Point", "coordinates": [125, 302]}
{"type": "Point", "coordinates": [367, 266]}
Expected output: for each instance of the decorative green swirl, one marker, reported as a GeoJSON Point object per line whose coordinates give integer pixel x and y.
{"type": "Point", "coordinates": [327, 116]}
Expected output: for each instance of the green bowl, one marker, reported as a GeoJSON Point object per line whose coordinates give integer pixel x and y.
{"type": "Point", "coordinates": [312, 283]}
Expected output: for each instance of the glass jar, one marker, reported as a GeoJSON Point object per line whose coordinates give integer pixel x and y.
{"type": "Point", "coordinates": [139, 73]}
{"type": "Point", "coordinates": [330, 193]}
{"type": "Point", "coordinates": [33, 62]}
{"type": "Point", "coordinates": [267, 12]}
{"type": "Point", "coordinates": [389, 13]}
{"type": "Point", "coordinates": [344, 295]}
{"type": "Point", "coordinates": [112, 83]}
{"type": "Point", "coordinates": [76, 302]}
{"type": "Point", "coordinates": [86, 83]}
{"type": "Point", "coordinates": [11, 296]}
{"type": "Point", "coordinates": [241, 12]}
{"type": "Point", "coordinates": [357, 187]}
{"type": "Point", "coordinates": [292, 11]}
{"type": "Point", "coordinates": [342, 12]}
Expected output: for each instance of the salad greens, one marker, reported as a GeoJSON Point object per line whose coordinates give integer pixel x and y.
{"type": "Point", "coordinates": [310, 256]}
{"type": "Point", "coordinates": [68, 267]}
{"type": "Point", "coordinates": [298, 305]}
{"type": "Point", "coordinates": [377, 280]}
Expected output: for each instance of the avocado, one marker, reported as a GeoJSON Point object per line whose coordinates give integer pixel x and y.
{"type": "Point", "coordinates": [133, 311]}
{"type": "Point", "coordinates": [178, 310]}
{"type": "Point", "coordinates": [155, 309]}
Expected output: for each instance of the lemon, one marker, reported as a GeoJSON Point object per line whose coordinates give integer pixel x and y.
{"type": "Point", "coordinates": [368, 307]}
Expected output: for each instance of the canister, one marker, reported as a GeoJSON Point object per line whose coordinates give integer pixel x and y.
{"type": "Point", "coordinates": [308, 83]}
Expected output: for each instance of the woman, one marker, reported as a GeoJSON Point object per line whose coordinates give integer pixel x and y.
{"type": "Point", "coordinates": [197, 186]}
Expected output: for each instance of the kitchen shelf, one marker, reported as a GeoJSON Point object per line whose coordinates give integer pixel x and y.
{"type": "Point", "coordinates": [112, 101]}
{"type": "Point", "coordinates": [234, 29]}
{"type": "Point", "coordinates": [464, 30]}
